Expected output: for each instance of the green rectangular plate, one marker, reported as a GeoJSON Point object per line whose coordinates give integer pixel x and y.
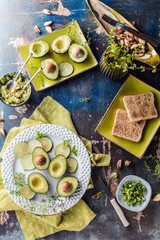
{"type": "Point", "coordinates": [131, 86]}
{"type": "Point", "coordinates": [40, 82]}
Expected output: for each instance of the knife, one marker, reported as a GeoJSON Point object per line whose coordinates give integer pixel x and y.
{"type": "Point", "coordinates": [114, 203]}
{"type": "Point", "coordinates": [111, 21]}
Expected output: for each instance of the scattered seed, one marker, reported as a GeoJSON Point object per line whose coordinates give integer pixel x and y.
{"type": "Point", "coordinates": [46, 11]}
{"type": "Point", "coordinates": [2, 131]}
{"type": "Point", "coordinates": [1, 119]}
{"type": "Point", "coordinates": [49, 23]}
{"type": "Point", "coordinates": [97, 196]}
{"type": "Point", "coordinates": [49, 29]}
{"type": "Point", "coordinates": [36, 29]}
{"type": "Point", "coordinates": [12, 117]}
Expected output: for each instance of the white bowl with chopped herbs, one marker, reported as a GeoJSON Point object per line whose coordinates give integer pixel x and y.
{"type": "Point", "coordinates": [134, 193]}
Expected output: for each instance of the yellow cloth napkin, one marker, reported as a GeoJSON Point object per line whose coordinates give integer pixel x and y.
{"type": "Point", "coordinates": [74, 219]}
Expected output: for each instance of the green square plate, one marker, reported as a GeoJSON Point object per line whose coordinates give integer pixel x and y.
{"type": "Point", "coordinates": [131, 86]}
{"type": "Point", "coordinates": [40, 82]}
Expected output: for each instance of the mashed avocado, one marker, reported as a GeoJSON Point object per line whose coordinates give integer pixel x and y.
{"type": "Point", "coordinates": [18, 96]}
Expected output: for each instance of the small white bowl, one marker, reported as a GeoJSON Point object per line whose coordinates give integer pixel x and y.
{"type": "Point", "coordinates": [147, 194]}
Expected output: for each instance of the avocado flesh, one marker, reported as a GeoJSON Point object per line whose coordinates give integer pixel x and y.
{"type": "Point", "coordinates": [77, 53]}
{"type": "Point", "coordinates": [38, 183]}
{"type": "Point", "coordinates": [61, 44]}
{"type": "Point", "coordinates": [38, 48]}
{"type": "Point", "coordinates": [57, 166]}
{"type": "Point", "coordinates": [71, 180]}
{"type": "Point", "coordinates": [52, 74]}
{"type": "Point", "coordinates": [39, 151]}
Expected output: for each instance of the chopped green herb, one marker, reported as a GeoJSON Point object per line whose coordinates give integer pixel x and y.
{"type": "Point", "coordinates": [152, 164]}
{"type": "Point", "coordinates": [65, 143]}
{"type": "Point", "coordinates": [114, 175]}
{"type": "Point", "coordinates": [88, 37]}
{"type": "Point", "coordinates": [86, 99]}
{"type": "Point", "coordinates": [74, 151]}
{"type": "Point", "coordinates": [39, 135]}
{"type": "Point", "coordinates": [133, 193]}
{"type": "Point", "coordinates": [1, 182]}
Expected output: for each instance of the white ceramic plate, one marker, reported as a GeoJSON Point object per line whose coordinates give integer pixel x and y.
{"type": "Point", "coordinates": [147, 194]}
{"type": "Point", "coordinates": [11, 164]}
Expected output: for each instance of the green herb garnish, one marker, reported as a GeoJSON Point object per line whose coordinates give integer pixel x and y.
{"type": "Point", "coordinates": [74, 151]}
{"type": "Point", "coordinates": [65, 143]}
{"type": "Point", "coordinates": [1, 182]}
{"type": "Point", "coordinates": [88, 37]}
{"type": "Point", "coordinates": [39, 135]}
{"type": "Point", "coordinates": [133, 193]}
{"type": "Point", "coordinates": [152, 164]}
{"type": "Point", "coordinates": [86, 99]}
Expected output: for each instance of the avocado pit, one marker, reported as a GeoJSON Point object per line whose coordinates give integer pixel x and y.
{"type": "Point", "coordinates": [50, 67]}
{"type": "Point", "coordinates": [67, 187]}
{"type": "Point", "coordinates": [40, 160]}
{"type": "Point", "coordinates": [77, 52]}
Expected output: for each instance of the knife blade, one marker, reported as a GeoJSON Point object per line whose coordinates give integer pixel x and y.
{"type": "Point", "coordinates": [114, 203]}
{"type": "Point", "coordinates": [152, 41]}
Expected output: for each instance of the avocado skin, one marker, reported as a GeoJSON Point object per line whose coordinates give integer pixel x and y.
{"type": "Point", "coordinates": [50, 76]}
{"type": "Point", "coordinates": [45, 188]}
{"type": "Point", "coordinates": [77, 60]}
{"type": "Point", "coordinates": [63, 38]}
{"type": "Point", "coordinates": [73, 181]}
{"type": "Point", "coordinates": [60, 159]}
{"type": "Point", "coordinates": [40, 151]}
{"type": "Point", "coordinates": [44, 45]}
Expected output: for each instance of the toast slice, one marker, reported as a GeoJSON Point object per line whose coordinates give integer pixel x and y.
{"type": "Point", "coordinates": [140, 107]}
{"type": "Point", "coordinates": [126, 129]}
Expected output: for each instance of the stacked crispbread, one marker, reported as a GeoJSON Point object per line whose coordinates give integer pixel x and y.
{"type": "Point", "coordinates": [129, 124]}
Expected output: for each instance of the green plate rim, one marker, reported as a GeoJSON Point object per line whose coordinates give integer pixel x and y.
{"type": "Point", "coordinates": [65, 78]}
{"type": "Point", "coordinates": [96, 130]}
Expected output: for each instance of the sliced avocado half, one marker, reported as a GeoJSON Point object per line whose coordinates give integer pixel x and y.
{"type": "Point", "coordinates": [57, 166]}
{"type": "Point", "coordinates": [38, 183]}
{"type": "Point", "coordinates": [78, 53]}
{"type": "Point", "coordinates": [61, 44]}
{"type": "Point", "coordinates": [67, 186]}
{"type": "Point", "coordinates": [40, 158]}
{"type": "Point", "coordinates": [50, 68]}
{"type": "Point", "coordinates": [38, 48]}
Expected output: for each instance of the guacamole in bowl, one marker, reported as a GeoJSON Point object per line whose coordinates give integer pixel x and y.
{"type": "Point", "coordinates": [18, 97]}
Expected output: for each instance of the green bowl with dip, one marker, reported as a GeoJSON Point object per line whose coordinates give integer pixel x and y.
{"type": "Point", "coordinates": [18, 97]}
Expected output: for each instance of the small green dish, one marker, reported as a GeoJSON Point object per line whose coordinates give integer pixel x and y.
{"type": "Point", "coordinates": [40, 82]}
{"type": "Point", "coordinates": [131, 86]}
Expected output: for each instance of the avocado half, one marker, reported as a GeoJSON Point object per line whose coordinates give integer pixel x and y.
{"type": "Point", "coordinates": [38, 183]}
{"type": "Point", "coordinates": [67, 186]}
{"type": "Point", "coordinates": [38, 48]}
{"type": "Point", "coordinates": [57, 166]}
{"type": "Point", "coordinates": [40, 158]}
{"type": "Point", "coordinates": [61, 44]}
{"type": "Point", "coordinates": [77, 53]}
{"type": "Point", "coordinates": [50, 68]}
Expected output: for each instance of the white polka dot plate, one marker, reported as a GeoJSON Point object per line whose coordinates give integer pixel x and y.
{"type": "Point", "coordinates": [51, 203]}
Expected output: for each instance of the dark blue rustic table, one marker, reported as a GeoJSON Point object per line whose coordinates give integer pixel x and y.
{"type": "Point", "coordinates": [17, 19]}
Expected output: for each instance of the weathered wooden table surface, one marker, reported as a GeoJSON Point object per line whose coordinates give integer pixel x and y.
{"type": "Point", "coordinates": [17, 19]}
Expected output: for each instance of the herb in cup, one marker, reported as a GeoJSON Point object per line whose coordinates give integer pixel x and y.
{"type": "Point", "coordinates": [133, 193]}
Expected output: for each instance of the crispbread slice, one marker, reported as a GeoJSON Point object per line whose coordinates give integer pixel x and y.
{"type": "Point", "coordinates": [140, 107]}
{"type": "Point", "coordinates": [124, 128]}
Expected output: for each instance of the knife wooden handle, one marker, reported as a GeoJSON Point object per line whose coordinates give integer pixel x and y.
{"type": "Point", "coordinates": [119, 212]}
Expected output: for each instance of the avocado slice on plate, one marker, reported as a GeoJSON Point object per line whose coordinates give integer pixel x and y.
{"type": "Point", "coordinates": [77, 53]}
{"type": "Point", "coordinates": [38, 183]}
{"type": "Point", "coordinates": [61, 44]}
{"type": "Point", "coordinates": [38, 48]}
{"type": "Point", "coordinates": [26, 192]}
{"type": "Point", "coordinates": [50, 68]}
{"type": "Point", "coordinates": [57, 166]}
{"type": "Point", "coordinates": [67, 186]}
{"type": "Point", "coordinates": [40, 158]}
